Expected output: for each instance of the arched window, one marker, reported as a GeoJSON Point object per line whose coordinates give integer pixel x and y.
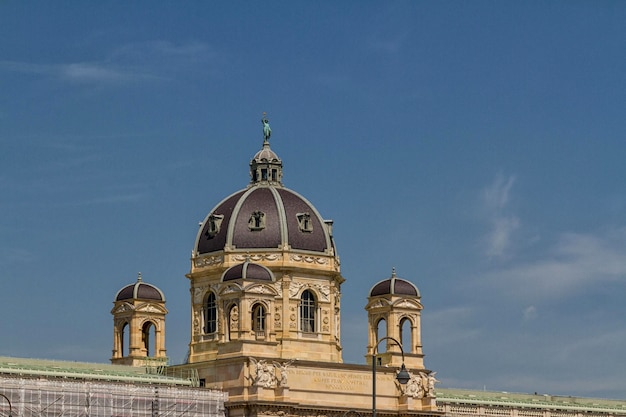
{"type": "Point", "coordinates": [125, 340]}
{"type": "Point", "coordinates": [147, 333]}
{"type": "Point", "coordinates": [308, 307]}
{"type": "Point", "coordinates": [210, 314]}
{"type": "Point", "coordinates": [258, 320]}
{"type": "Point", "coordinates": [381, 331]}
{"type": "Point", "coordinates": [406, 334]}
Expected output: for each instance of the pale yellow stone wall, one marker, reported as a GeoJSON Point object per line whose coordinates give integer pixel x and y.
{"type": "Point", "coordinates": [134, 314]}
{"type": "Point", "coordinates": [313, 385]}
{"type": "Point", "coordinates": [294, 272]}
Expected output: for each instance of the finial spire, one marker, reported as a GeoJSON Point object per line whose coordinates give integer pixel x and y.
{"type": "Point", "coordinates": [138, 276]}
{"type": "Point", "coordinates": [393, 272]}
{"type": "Point", "coordinates": [267, 132]}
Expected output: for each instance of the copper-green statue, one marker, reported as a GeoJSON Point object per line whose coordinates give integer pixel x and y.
{"type": "Point", "coordinates": [267, 132]}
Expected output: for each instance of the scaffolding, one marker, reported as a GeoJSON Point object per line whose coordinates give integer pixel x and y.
{"type": "Point", "coordinates": [42, 397]}
{"type": "Point", "coordinates": [30, 387]}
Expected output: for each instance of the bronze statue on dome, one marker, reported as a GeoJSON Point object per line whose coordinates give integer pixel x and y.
{"type": "Point", "coordinates": [267, 132]}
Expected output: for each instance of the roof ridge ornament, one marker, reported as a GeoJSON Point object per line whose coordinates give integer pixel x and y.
{"type": "Point", "coordinates": [267, 131]}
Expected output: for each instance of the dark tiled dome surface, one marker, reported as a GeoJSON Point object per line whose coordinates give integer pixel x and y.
{"type": "Point", "coordinates": [280, 207]}
{"type": "Point", "coordinates": [395, 286]}
{"type": "Point", "coordinates": [248, 271]}
{"type": "Point", "coordinates": [140, 291]}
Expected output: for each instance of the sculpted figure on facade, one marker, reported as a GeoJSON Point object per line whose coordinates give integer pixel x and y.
{"type": "Point", "coordinates": [282, 369]}
{"type": "Point", "coordinates": [430, 390]}
{"type": "Point", "coordinates": [264, 374]}
{"type": "Point", "coordinates": [420, 385]}
{"type": "Point", "coordinates": [196, 321]}
{"type": "Point", "coordinates": [234, 318]}
{"type": "Point", "coordinates": [415, 387]}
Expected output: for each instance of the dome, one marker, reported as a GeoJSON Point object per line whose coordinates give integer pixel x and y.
{"type": "Point", "coordinates": [248, 270]}
{"type": "Point", "coordinates": [140, 290]}
{"type": "Point", "coordinates": [265, 215]}
{"type": "Point", "coordinates": [394, 286]}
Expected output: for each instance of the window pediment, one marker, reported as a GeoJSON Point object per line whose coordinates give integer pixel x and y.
{"type": "Point", "coordinates": [214, 223]}
{"type": "Point", "coordinates": [257, 221]}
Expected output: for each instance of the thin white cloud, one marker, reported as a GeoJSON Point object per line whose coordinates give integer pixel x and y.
{"type": "Point", "coordinates": [450, 326]}
{"type": "Point", "coordinates": [140, 51]}
{"type": "Point", "coordinates": [94, 72]}
{"type": "Point", "coordinates": [496, 196]}
{"type": "Point", "coordinates": [575, 262]}
{"type": "Point", "coordinates": [530, 313]}
{"type": "Point", "coordinates": [500, 236]}
{"type": "Point", "coordinates": [495, 201]}
{"type": "Point", "coordinates": [132, 62]}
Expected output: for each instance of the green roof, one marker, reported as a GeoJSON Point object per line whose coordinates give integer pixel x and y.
{"type": "Point", "coordinates": [87, 371]}
{"type": "Point", "coordinates": [536, 401]}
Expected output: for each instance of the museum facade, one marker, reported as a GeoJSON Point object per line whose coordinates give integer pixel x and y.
{"type": "Point", "coordinates": [265, 333]}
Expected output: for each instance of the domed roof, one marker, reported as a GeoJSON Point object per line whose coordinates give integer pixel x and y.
{"type": "Point", "coordinates": [265, 215]}
{"type": "Point", "coordinates": [394, 286]}
{"type": "Point", "coordinates": [248, 270]}
{"type": "Point", "coordinates": [140, 291]}
{"type": "Point", "coordinates": [266, 155]}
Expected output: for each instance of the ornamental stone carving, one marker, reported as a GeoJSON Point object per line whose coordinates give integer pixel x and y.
{"type": "Point", "coordinates": [234, 318]}
{"type": "Point", "coordinates": [308, 259]}
{"type": "Point", "coordinates": [282, 371]}
{"type": "Point", "coordinates": [263, 375]}
{"type": "Point", "coordinates": [322, 290]}
{"type": "Point", "coordinates": [123, 308]}
{"type": "Point", "coordinates": [208, 261]}
{"type": "Point", "coordinates": [196, 322]}
{"type": "Point", "coordinates": [257, 257]}
{"type": "Point", "coordinates": [259, 289]}
{"type": "Point", "coordinates": [278, 324]}
{"type": "Point", "coordinates": [149, 308]}
{"type": "Point", "coordinates": [419, 386]}
{"type": "Point", "coordinates": [230, 289]}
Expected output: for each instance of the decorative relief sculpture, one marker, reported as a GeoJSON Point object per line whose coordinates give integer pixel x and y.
{"type": "Point", "coordinates": [292, 318]}
{"type": "Point", "coordinates": [277, 318]}
{"type": "Point", "coordinates": [419, 386]}
{"type": "Point", "coordinates": [230, 289]}
{"type": "Point", "coordinates": [278, 288]}
{"type": "Point", "coordinates": [196, 322]}
{"type": "Point", "coordinates": [414, 388]}
{"type": "Point", "coordinates": [322, 290]}
{"type": "Point", "coordinates": [308, 259]}
{"type": "Point", "coordinates": [123, 308]}
{"type": "Point", "coordinates": [282, 369]}
{"type": "Point", "coordinates": [259, 289]}
{"type": "Point", "coordinates": [430, 392]}
{"type": "Point", "coordinates": [208, 261]}
{"type": "Point", "coordinates": [263, 375]}
{"type": "Point", "coordinates": [257, 257]}
{"type": "Point", "coordinates": [407, 304]}
{"type": "Point", "coordinates": [234, 318]}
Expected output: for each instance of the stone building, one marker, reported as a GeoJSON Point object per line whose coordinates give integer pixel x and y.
{"type": "Point", "coordinates": [265, 285]}
{"type": "Point", "coordinates": [45, 388]}
{"type": "Point", "coordinates": [265, 320]}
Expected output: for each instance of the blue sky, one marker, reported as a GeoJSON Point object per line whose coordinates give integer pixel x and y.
{"type": "Point", "coordinates": [477, 147]}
